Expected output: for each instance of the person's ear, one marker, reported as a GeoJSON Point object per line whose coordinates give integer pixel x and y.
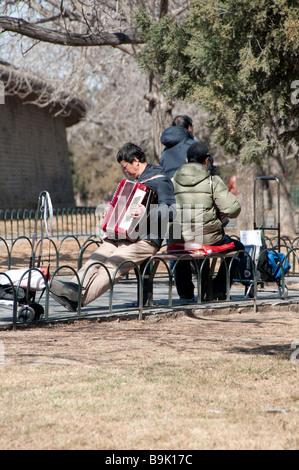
{"type": "Point", "coordinates": [207, 162]}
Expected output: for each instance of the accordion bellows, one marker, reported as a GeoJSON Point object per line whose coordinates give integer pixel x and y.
{"type": "Point", "coordinates": [118, 222]}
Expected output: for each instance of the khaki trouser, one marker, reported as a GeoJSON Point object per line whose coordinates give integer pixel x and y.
{"type": "Point", "coordinates": [112, 253]}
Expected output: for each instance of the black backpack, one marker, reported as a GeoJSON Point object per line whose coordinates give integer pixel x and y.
{"type": "Point", "coordinates": [269, 265]}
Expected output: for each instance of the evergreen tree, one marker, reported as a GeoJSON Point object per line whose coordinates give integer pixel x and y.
{"type": "Point", "coordinates": [238, 60]}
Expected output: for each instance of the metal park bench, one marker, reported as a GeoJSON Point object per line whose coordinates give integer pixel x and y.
{"type": "Point", "coordinates": [150, 268]}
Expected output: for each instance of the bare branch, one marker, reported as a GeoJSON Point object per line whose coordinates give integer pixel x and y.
{"type": "Point", "coordinates": [46, 20]}
{"type": "Point", "coordinates": [20, 26]}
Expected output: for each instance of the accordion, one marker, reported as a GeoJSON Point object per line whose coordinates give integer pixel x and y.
{"type": "Point", "coordinates": [118, 222]}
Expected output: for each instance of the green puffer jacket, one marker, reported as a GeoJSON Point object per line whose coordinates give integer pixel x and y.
{"type": "Point", "coordinates": [198, 221]}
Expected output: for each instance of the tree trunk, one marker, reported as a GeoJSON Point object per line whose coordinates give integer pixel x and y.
{"type": "Point", "coordinates": [246, 175]}
{"type": "Point", "coordinates": [160, 110]}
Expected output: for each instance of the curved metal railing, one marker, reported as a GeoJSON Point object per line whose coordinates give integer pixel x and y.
{"type": "Point", "coordinates": [60, 266]}
{"type": "Point", "coordinates": [79, 222]}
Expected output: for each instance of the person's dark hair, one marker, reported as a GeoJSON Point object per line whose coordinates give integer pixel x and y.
{"type": "Point", "coordinates": [182, 121]}
{"type": "Point", "coordinates": [197, 159]}
{"type": "Point", "coordinates": [130, 151]}
{"type": "Point", "coordinates": [197, 153]}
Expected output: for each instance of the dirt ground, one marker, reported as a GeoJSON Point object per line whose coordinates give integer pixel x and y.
{"type": "Point", "coordinates": [225, 381]}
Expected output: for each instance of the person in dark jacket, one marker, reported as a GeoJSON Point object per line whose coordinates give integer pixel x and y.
{"type": "Point", "coordinates": [193, 186]}
{"type": "Point", "coordinates": [176, 140]}
{"type": "Point", "coordinates": [114, 252]}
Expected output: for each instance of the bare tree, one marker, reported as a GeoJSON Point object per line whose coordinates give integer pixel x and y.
{"type": "Point", "coordinates": [83, 25]}
{"type": "Point", "coordinates": [61, 41]}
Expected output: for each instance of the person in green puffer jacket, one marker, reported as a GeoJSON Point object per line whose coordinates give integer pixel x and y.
{"type": "Point", "coordinates": [202, 202]}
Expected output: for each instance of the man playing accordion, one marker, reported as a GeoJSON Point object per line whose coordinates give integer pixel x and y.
{"type": "Point", "coordinates": [115, 250]}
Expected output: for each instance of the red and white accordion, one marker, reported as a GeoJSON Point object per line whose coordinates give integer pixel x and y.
{"type": "Point", "coordinates": [118, 222]}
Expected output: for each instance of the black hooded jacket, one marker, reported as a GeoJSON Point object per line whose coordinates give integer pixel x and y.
{"type": "Point", "coordinates": [176, 140]}
{"type": "Point", "coordinates": [163, 210]}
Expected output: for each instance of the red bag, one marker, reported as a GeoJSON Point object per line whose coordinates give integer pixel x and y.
{"type": "Point", "coordinates": [196, 248]}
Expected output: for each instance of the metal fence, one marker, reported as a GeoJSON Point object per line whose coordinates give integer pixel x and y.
{"type": "Point", "coordinates": [295, 195]}
{"type": "Point", "coordinates": [79, 228]}
{"type": "Point", "coordinates": [80, 221]}
{"type": "Point", "coordinates": [21, 314]}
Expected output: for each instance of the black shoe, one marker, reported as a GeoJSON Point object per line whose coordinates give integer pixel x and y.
{"type": "Point", "coordinates": [219, 295]}
{"type": "Point", "coordinates": [187, 297]}
{"type": "Point", "coordinates": [65, 293]}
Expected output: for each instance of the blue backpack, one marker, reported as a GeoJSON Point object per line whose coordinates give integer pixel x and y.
{"type": "Point", "coordinates": [269, 265]}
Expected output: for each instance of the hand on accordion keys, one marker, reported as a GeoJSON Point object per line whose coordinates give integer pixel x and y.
{"type": "Point", "coordinates": [137, 210]}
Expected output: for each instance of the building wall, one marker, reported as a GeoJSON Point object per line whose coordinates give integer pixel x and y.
{"type": "Point", "coordinates": [33, 156]}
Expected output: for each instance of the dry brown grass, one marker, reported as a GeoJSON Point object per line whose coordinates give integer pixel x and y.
{"type": "Point", "coordinates": [214, 382]}
{"type": "Point", "coordinates": [218, 382]}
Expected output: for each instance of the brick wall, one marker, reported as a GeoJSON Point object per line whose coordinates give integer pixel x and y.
{"type": "Point", "coordinates": [33, 156]}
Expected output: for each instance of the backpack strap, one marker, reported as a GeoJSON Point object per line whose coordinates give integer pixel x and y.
{"type": "Point", "coordinates": [225, 220]}
{"type": "Point", "coordinates": [152, 178]}
{"type": "Point", "coordinates": [212, 189]}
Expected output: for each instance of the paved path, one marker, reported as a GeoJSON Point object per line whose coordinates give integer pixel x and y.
{"type": "Point", "coordinates": [125, 302]}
